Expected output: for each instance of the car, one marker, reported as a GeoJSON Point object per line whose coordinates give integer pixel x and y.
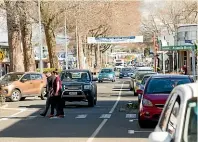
{"type": "Point", "coordinates": [155, 94]}
{"type": "Point", "coordinates": [106, 74]}
{"type": "Point", "coordinates": [79, 85]}
{"type": "Point", "coordinates": [142, 84]}
{"type": "Point", "coordinates": [16, 86]}
{"type": "Point", "coordinates": [125, 72]}
{"type": "Point", "coordinates": [137, 78]}
{"type": "Point", "coordinates": [178, 121]}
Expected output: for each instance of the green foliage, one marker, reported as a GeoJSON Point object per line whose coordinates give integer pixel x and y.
{"type": "Point", "coordinates": [48, 70]}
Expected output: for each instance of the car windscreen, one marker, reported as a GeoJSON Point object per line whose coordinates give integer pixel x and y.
{"type": "Point", "coordinates": [164, 85]}
{"type": "Point", "coordinates": [106, 71]}
{"type": "Point", "coordinates": [11, 77]}
{"type": "Point", "coordinates": [118, 64]}
{"type": "Point", "coordinates": [75, 76]}
{"type": "Point", "coordinates": [126, 70]}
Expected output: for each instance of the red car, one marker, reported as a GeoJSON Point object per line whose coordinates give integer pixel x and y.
{"type": "Point", "coordinates": [155, 94]}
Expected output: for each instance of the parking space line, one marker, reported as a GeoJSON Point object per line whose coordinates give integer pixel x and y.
{"type": "Point", "coordinates": [133, 131]}
{"type": "Point", "coordinates": [90, 139]}
{"type": "Point", "coordinates": [105, 116]}
{"type": "Point", "coordinates": [13, 115]}
{"type": "Point", "coordinates": [81, 116]}
{"type": "Point", "coordinates": [131, 115]}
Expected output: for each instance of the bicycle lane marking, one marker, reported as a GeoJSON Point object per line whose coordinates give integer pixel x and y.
{"type": "Point", "coordinates": [90, 139]}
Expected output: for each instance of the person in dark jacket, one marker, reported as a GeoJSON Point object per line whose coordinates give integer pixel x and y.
{"type": "Point", "coordinates": [57, 102]}
{"type": "Point", "coordinates": [50, 79]}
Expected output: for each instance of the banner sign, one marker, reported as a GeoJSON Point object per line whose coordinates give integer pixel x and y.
{"type": "Point", "coordinates": [110, 40]}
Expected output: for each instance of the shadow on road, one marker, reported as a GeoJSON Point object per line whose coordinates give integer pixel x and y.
{"type": "Point", "coordinates": [38, 127]}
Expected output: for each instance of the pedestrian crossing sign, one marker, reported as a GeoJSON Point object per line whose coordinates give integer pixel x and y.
{"type": "Point", "coordinates": [2, 56]}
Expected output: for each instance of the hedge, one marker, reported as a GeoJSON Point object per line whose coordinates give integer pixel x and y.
{"type": "Point", "coordinates": [47, 69]}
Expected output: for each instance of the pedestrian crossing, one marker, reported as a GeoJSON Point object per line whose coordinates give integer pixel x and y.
{"type": "Point", "coordinates": [76, 116]}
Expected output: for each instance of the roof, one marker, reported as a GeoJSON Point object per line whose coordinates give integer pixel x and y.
{"type": "Point", "coordinates": [169, 76]}
{"type": "Point", "coordinates": [23, 72]}
{"type": "Point", "coordinates": [76, 70]}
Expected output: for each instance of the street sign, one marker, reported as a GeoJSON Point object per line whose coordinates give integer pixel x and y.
{"type": "Point", "coordinates": [181, 47]}
{"type": "Point", "coordinates": [110, 40]}
{"type": "Point", "coordinates": [2, 56]}
{"type": "Point", "coordinates": [188, 41]}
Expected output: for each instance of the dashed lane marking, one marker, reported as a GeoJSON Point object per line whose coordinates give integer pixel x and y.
{"type": "Point", "coordinates": [133, 131]}
{"type": "Point", "coordinates": [130, 116]}
{"type": "Point", "coordinates": [81, 116]}
{"type": "Point", "coordinates": [13, 115]}
{"type": "Point", "coordinates": [132, 120]}
{"type": "Point", "coordinates": [105, 116]}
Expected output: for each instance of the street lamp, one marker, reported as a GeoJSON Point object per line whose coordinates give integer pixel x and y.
{"type": "Point", "coordinates": [40, 37]}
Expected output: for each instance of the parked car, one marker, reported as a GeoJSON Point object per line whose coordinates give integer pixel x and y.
{"type": "Point", "coordinates": [155, 94]}
{"type": "Point", "coordinates": [106, 74]}
{"type": "Point", "coordinates": [125, 72]}
{"type": "Point", "coordinates": [178, 121]}
{"type": "Point", "coordinates": [17, 86]}
{"type": "Point", "coordinates": [137, 78]}
{"type": "Point", "coordinates": [142, 85]}
{"type": "Point", "coordinates": [79, 85]}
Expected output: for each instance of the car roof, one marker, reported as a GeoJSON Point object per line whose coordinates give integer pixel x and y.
{"type": "Point", "coordinates": [106, 68]}
{"type": "Point", "coordinates": [75, 70]}
{"type": "Point", "coordinates": [169, 76]}
{"type": "Point", "coordinates": [24, 72]}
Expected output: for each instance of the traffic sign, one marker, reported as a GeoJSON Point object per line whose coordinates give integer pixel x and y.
{"type": "Point", "coordinates": [181, 47]}
{"type": "Point", "coordinates": [188, 41]}
{"type": "Point", "coordinates": [2, 56]}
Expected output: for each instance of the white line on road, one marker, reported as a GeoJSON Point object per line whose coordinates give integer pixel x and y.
{"type": "Point", "coordinates": [118, 99]}
{"type": "Point", "coordinates": [105, 120]}
{"type": "Point", "coordinates": [133, 131]}
{"type": "Point", "coordinates": [97, 130]}
{"type": "Point", "coordinates": [133, 120]}
{"type": "Point", "coordinates": [81, 116]}
{"type": "Point", "coordinates": [22, 108]}
{"type": "Point", "coordinates": [13, 115]}
{"type": "Point", "coordinates": [130, 115]}
{"type": "Point", "coordinates": [105, 116]}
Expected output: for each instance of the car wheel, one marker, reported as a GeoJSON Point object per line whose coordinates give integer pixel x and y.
{"type": "Point", "coordinates": [142, 123]}
{"type": "Point", "coordinates": [95, 100]}
{"type": "Point", "coordinates": [22, 98]}
{"type": "Point", "coordinates": [91, 101]}
{"type": "Point", "coordinates": [135, 94]}
{"type": "Point", "coordinates": [16, 95]}
{"type": "Point", "coordinates": [43, 93]}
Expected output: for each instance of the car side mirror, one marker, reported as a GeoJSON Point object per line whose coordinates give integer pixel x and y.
{"type": "Point", "coordinates": [23, 80]}
{"type": "Point", "coordinates": [160, 137]}
{"type": "Point", "coordinates": [95, 79]}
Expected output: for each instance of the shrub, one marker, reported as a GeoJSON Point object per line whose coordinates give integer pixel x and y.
{"type": "Point", "coordinates": [47, 69]}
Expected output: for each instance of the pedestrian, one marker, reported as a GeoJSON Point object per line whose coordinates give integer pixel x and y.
{"type": "Point", "coordinates": [50, 79]}
{"type": "Point", "coordinates": [57, 102]}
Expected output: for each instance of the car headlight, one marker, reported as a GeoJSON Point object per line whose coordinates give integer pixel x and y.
{"type": "Point", "coordinates": [87, 86]}
{"type": "Point", "coordinates": [146, 102]}
{"type": "Point", "coordinates": [111, 75]}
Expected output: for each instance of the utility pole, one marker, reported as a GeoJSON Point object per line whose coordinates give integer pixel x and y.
{"type": "Point", "coordinates": [41, 38]}
{"type": "Point", "coordinates": [66, 48]}
{"type": "Point", "coordinates": [77, 48]}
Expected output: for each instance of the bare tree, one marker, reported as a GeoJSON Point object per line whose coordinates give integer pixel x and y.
{"type": "Point", "coordinates": [14, 39]}
{"type": "Point", "coordinates": [26, 35]}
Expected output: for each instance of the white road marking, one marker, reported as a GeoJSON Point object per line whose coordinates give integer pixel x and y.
{"type": "Point", "coordinates": [130, 115]}
{"type": "Point", "coordinates": [97, 130]}
{"type": "Point", "coordinates": [118, 99]}
{"type": "Point", "coordinates": [131, 131]}
{"type": "Point", "coordinates": [15, 114]}
{"type": "Point", "coordinates": [30, 117]}
{"type": "Point", "coordinates": [105, 116]}
{"type": "Point", "coordinates": [81, 116]}
{"type": "Point", "coordinates": [133, 120]}
{"type": "Point", "coordinates": [22, 108]}
{"type": "Point", "coordinates": [105, 120]}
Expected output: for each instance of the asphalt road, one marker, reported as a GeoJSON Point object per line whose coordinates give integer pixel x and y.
{"type": "Point", "coordinates": [108, 121]}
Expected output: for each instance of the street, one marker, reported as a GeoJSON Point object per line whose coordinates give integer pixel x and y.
{"type": "Point", "coordinates": [108, 121]}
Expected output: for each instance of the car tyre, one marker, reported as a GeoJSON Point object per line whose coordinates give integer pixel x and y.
{"type": "Point", "coordinates": [43, 93]}
{"type": "Point", "coordinates": [16, 95]}
{"type": "Point", "coordinates": [91, 101]}
{"type": "Point", "coordinates": [22, 98]}
{"type": "Point", "coordinates": [142, 123]}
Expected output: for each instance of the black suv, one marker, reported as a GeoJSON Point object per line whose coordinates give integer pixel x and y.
{"type": "Point", "coordinates": [79, 85]}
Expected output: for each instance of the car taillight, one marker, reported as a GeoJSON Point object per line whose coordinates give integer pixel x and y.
{"type": "Point", "coordinates": [146, 102]}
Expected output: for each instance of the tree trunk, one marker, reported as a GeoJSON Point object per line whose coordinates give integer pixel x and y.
{"type": "Point", "coordinates": [26, 35]}
{"type": "Point", "coordinates": [81, 59]}
{"type": "Point", "coordinates": [14, 40]}
{"type": "Point", "coordinates": [51, 44]}
{"type": "Point", "coordinates": [98, 57]}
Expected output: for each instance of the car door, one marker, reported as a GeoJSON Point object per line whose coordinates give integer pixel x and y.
{"type": "Point", "coordinates": [37, 81]}
{"type": "Point", "coordinates": [26, 85]}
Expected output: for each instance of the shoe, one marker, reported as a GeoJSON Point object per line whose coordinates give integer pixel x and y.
{"type": "Point", "coordinates": [42, 115]}
{"type": "Point", "coordinates": [50, 116]}
{"type": "Point", "coordinates": [61, 116]}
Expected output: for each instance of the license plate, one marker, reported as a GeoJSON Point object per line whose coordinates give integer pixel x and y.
{"type": "Point", "coordinates": [125, 75]}
{"type": "Point", "coordinates": [105, 78]}
{"type": "Point", "coordinates": [72, 93]}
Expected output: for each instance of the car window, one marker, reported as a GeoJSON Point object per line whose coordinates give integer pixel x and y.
{"type": "Point", "coordinates": [36, 76]}
{"type": "Point", "coordinates": [166, 112]}
{"type": "Point", "coordinates": [26, 76]}
{"type": "Point", "coordinates": [164, 85]}
{"type": "Point", "coordinates": [173, 119]}
{"type": "Point", "coordinates": [106, 70]}
{"type": "Point", "coordinates": [126, 69]}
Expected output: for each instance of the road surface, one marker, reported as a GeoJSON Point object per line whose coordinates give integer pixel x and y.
{"type": "Point", "coordinates": [108, 121]}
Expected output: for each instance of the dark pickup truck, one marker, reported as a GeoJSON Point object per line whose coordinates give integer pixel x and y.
{"type": "Point", "coordinates": [79, 85]}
